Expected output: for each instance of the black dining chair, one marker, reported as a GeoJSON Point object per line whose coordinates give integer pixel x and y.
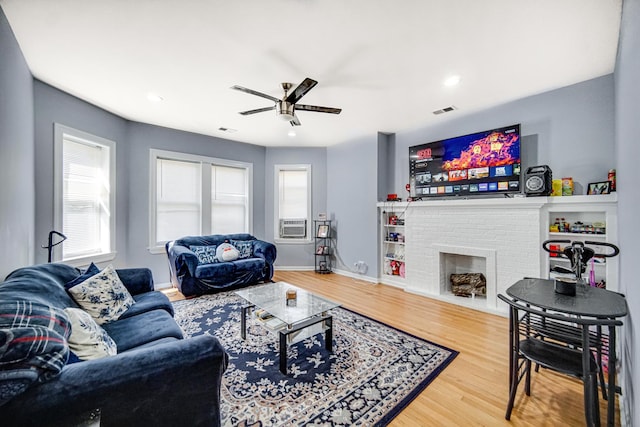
{"type": "Point", "coordinates": [549, 340]}
{"type": "Point", "coordinates": [571, 334]}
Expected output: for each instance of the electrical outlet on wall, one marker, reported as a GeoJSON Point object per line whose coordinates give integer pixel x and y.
{"type": "Point", "coordinates": [360, 267]}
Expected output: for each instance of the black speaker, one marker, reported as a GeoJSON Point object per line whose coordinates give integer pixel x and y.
{"type": "Point", "coordinates": [537, 181]}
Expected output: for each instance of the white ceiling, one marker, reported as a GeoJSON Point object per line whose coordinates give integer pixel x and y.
{"type": "Point", "coordinates": [382, 61]}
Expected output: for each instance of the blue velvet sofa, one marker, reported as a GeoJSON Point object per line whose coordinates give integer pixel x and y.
{"type": "Point", "coordinates": [157, 378]}
{"type": "Point", "coordinates": [193, 277]}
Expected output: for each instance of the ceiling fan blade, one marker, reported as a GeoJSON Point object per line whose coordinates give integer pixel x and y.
{"type": "Point", "coordinates": [318, 109]}
{"type": "Point", "coordinates": [295, 121]}
{"type": "Point", "coordinates": [304, 87]}
{"type": "Point", "coordinates": [258, 110]}
{"type": "Point", "coordinates": [253, 92]}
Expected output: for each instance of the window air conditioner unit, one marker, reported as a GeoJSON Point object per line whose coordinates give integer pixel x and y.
{"type": "Point", "coordinates": [293, 228]}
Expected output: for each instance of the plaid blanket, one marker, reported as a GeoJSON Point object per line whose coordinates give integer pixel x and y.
{"type": "Point", "coordinates": [33, 337]}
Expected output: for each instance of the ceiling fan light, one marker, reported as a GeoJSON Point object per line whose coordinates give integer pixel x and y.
{"type": "Point", "coordinates": [285, 111]}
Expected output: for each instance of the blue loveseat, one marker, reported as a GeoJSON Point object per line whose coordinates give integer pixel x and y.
{"type": "Point", "coordinates": [194, 277]}
{"type": "Point", "coordinates": [157, 378]}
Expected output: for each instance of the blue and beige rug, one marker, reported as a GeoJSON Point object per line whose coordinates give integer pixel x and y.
{"type": "Point", "coordinates": [374, 372]}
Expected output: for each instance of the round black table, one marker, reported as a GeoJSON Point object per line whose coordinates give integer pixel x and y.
{"type": "Point", "coordinates": [587, 302]}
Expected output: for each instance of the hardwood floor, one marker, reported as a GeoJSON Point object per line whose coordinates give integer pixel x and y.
{"type": "Point", "coordinates": [473, 389]}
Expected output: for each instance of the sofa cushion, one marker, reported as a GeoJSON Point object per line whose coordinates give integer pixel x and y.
{"type": "Point", "coordinates": [16, 381]}
{"type": "Point", "coordinates": [103, 296]}
{"type": "Point", "coordinates": [219, 269]}
{"type": "Point", "coordinates": [147, 302]}
{"type": "Point", "coordinates": [88, 340]}
{"type": "Point", "coordinates": [205, 254]}
{"type": "Point", "coordinates": [244, 247]}
{"type": "Point", "coordinates": [142, 329]}
{"type": "Point", "coordinates": [251, 264]}
{"type": "Point", "coordinates": [43, 283]}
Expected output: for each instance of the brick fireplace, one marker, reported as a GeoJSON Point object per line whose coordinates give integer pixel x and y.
{"type": "Point", "coordinates": [501, 237]}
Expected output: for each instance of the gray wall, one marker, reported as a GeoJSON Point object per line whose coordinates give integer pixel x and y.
{"type": "Point", "coordinates": [17, 196]}
{"type": "Point", "coordinates": [141, 138]}
{"type": "Point", "coordinates": [627, 91]}
{"type": "Point", "coordinates": [572, 126]}
{"type": "Point", "coordinates": [295, 255]}
{"type": "Point", "coordinates": [54, 106]}
{"type": "Point", "coordinates": [352, 195]}
{"type": "Point", "coordinates": [386, 164]}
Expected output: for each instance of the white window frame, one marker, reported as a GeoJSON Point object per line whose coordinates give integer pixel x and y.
{"type": "Point", "coordinates": [60, 131]}
{"type": "Point", "coordinates": [157, 247]}
{"type": "Point", "coordinates": [276, 202]}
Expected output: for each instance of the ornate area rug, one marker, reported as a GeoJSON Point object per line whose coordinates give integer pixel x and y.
{"type": "Point", "coordinates": [373, 373]}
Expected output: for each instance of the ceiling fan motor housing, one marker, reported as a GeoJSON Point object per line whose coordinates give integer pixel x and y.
{"type": "Point", "coordinates": [284, 110]}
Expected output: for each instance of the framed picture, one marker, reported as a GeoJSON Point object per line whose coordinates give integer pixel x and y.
{"type": "Point", "coordinates": [322, 265]}
{"type": "Point", "coordinates": [323, 231]}
{"type": "Point", "coordinates": [325, 250]}
{"type": "Point", "coordinates": [320, 250]}
{"type": "Point", "coordinates": [599, 187]}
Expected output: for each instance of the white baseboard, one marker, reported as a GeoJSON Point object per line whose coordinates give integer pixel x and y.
{"type": "Point", "coordinates": [161, 286]}
{"type": "Point", "coordinates": [293, 268]}
{"type": "Point", "coordinates": [352, 275]}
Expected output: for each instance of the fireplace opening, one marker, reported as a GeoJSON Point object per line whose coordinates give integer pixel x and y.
{"type": "Point", "coordinates": [463, 275]}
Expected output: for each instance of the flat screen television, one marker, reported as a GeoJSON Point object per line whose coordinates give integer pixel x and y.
{"type": "Point", "coordinates": [481, 163]}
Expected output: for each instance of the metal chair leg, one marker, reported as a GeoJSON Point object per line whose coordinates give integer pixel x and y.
{"type": "Point", "coordinates": [513, 388]}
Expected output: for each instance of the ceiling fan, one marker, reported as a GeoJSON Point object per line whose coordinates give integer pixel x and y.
{"type": "Point", "coordinates": [287, 106]}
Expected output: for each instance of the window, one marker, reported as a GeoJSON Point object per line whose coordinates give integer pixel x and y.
{"type": "Point", "coordinates": [84, 192]}
{"type": "Point", "coordinates": [293, 206]}
{"type": "Point", "coordinates": [228, 199]}
{"type": "Point", "coordinates": [197, 195]}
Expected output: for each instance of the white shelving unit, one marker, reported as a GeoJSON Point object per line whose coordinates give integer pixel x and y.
{"type": "Point", "coordinates": [392, 238]}
{"type": "Point", "coordinates": [587, 210]}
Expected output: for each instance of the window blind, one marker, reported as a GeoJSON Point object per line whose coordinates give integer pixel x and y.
{"type": "Point", "coordinates": [85, 204]}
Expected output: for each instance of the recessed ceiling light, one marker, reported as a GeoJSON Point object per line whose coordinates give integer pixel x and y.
{"type": "Point", "coordinates": [452, 80]}
{"type": "Point", "coordinates": [291, 133]}
{"type": "Point", "coordinates": [154, 97]}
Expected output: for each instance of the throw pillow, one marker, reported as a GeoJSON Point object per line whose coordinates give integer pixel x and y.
{"type": "Point", "coordinates": [103, 296]}
{"type": "Point", "coordinates": [88, 340]}
{"type": "Point", "coordinates": [91, 271]}
{"type": "Point", "coordinates": [227, 252]}
{"type": "Point", "coordinates": [244, 247]}
{"type": "Point", "coordinates": [205, 254]}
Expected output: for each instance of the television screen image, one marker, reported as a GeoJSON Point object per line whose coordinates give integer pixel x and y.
{"type": "Point", "coordinates": [479, 163]}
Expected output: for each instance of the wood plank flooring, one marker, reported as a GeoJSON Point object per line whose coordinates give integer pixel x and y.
{"type": "Point", "coordinates": [473, 389]}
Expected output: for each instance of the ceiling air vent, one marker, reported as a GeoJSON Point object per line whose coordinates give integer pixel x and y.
{"type": "Point", "coordinates": [445, 110]}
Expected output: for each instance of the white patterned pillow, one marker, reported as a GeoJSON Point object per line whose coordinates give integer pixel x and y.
{"type": "Point", "coordinates": [103, 296]}
{"type": "Point", "coordinates": [244, 247]}
{"type": "Point", "coordinates": [205, 254]}
{"type": "Point", "coordinates": [88, 340]}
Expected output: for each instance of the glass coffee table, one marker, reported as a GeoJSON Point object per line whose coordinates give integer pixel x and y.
{"type": "Point", "coordinates": [294, 319]}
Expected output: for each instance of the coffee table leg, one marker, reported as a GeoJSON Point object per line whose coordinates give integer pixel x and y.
{"type": "Point", "coordinates": [328, 333]}
{"type": "Point", "coordinates": [243, 322]}
{"type": "Point", "coordinates": [283, 352]}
